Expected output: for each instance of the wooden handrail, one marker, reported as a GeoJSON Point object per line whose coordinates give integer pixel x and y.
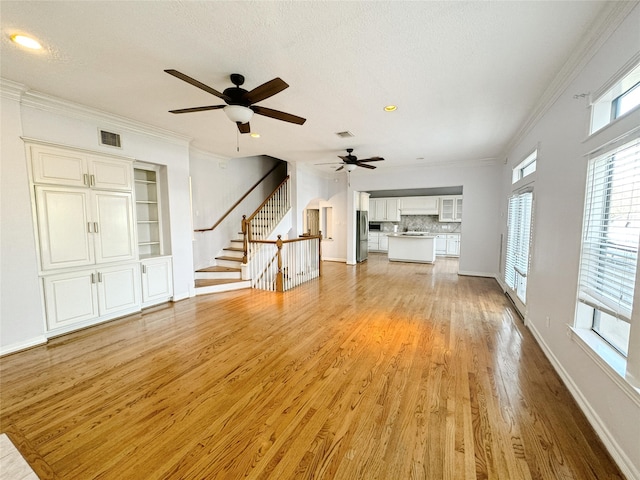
{"type": "Point", "coordinates": [239, 201]}
{"type": "Point", "coordinates": [275, 190]}
{"type": "Point", "coordinates": [299, 239]}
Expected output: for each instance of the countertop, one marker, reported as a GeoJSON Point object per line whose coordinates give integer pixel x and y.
{"type": "Point", "coordinates": [418, 235]}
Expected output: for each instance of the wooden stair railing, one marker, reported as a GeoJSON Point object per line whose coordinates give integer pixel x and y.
{"type": "Point", "coordinates": [301, 263]}
{"type": "Point", "coordinates": [262, 222]}
{"type": "Point", "coordinates": [233, 207]}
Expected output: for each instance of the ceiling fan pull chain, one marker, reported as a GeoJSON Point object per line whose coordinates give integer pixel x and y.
{"type": "Point", "coordinates": [237, 140]}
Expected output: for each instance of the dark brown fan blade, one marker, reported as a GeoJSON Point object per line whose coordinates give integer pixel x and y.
{"type": "Point", "coordinates": [196, 83]}
{"type": "Point", "coordinates": [339, 168]}
{"type": "Point", "coordinates": [364, 165]}
{"type": "Point", "coordinates": [197, 109]}
{"type": "Point", "coordinates": [285, 117]}
{"type": "Point", "coordinates": [372, 159]}
{"type": "Point", "coordinates": [265, 90]}
{"type": "Point", "coordinates": [244, 127]}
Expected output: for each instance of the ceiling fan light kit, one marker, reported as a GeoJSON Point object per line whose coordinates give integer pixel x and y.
{"type": "Point", "coordinates": [238, 113]}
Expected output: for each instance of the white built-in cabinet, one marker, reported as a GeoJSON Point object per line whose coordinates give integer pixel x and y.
{"type": "Point", "coordinates": [384, 210]}
{"type": "Point", "coordinates": [88, 243]}
{"type": "Point", "coordinates": [450, 209]}
{"type": "Point", "coordinates": [155, 263]}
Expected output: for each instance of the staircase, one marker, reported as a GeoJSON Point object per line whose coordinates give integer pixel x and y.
{"type": "Point", "coordinates": [226, 275]}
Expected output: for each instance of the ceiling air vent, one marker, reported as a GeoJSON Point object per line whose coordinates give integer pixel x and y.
{"type": "Point", "coordinates": [110, 139]}
{"type": "Point", "coordinates": [345, 134]}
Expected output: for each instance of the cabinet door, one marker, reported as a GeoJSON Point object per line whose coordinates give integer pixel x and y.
{"type": "Point", "coordinates": [64, 227]}
{"type": "Point", "coordinates": [453, 245]}
{"type": "Point", "coordinates": [110, 173]}
{"type": "Point", "coordinates": [441, 244]}
{"type": "Point", "coordinates": [458, 210]}
{"type": "Point", "coordinates": [157, 280]}
{"type": "Point", "coordinates": [58, 166]}
{"type": "Point", "coordinates": [392, 210]}
{"type": "Point", "coordinates": [70, 298]}
{"type": "Point", "coordinates": [118, 288]}
{"type": "Point", "coordinates": [383, 243]}
{"type": "Point", "coordinates": [113, 224]}
{"type": "Point", "coordinates": [447, 205]}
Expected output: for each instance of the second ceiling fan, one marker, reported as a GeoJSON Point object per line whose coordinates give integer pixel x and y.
{"type": "Point", "coordinates": [351, 161]}
{"type": "Point", "coordinates": [240, 102]}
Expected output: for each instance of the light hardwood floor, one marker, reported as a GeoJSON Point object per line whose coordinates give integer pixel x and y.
{"type": "Point", "coordinates": [376, 371]}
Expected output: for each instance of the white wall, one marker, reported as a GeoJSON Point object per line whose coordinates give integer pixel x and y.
{"type": "Point", "coordinates": [561, 137]}
{"type": "Point", "coordinates": [47, 119]}
{"type": "Point", "coordinates": [21, 310]}
{"type": "Point", "coordinates": [217, 183]}
{"type": "Point", "coordinates": [310, 186]}
{"type": "Point", "coordinates": [480, 237]}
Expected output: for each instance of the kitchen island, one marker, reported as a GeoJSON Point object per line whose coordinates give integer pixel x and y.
{"type": "Point", "coordinates": [412, 247]}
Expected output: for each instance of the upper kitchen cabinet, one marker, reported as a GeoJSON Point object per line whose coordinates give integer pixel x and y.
{"type": "Point", "coordinates": [450, 209]}
{"type": "Point", "coordinates": [419, 206]}
{"type": "Point", "coordinates": [362, 201]}
{"type": "Point", "coordinates": [384, 210]}
{"type": "Point", "coordinates": [58, 166]}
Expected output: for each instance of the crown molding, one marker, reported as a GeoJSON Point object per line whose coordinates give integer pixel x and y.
{"type": "Point", "coordinates": [11, 90]}
{"type": "Point", "coordinates": [49, 103]}
{"type": "Point", "coordinates": [613, 14]}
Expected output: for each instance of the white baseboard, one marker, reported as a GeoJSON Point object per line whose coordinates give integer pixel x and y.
{"type": "Point", "coordinates": [16, 347]}
{"type": "Point", "coordinates": [618, 455]}
{"type": "Point", "coordinates": [333, 259]}
{"type": "Point", "coordinates": [467, 273]}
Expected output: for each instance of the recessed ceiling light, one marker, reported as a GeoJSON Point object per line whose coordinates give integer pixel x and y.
{"type": "Point", "coordinates": [25, 41]}
{"type": "Point", "coordinates": [255, 135]}
{"type": "Point", "coordinates": [390, 108]}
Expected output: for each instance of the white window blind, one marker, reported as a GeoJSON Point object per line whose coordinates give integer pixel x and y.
{"type": "Point", "coordinates": [518, 240]}
{"type": "Point", "coordinates": [611, 231]}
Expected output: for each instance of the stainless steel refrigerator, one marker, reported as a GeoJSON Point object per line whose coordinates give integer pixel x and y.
{"type": "Point", "coordinates": [362, 235]}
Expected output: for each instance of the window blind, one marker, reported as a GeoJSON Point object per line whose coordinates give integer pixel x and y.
{"type": "Point", "coordinates": [611, 231]}
{"type": "Point", "coordinates": [518, 237]}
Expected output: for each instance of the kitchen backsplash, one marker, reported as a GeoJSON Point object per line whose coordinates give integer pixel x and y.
{"type": "Point", "coordinates": [421, 223]}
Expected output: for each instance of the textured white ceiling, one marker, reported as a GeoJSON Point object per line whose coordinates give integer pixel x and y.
{"type": "Point", "coordinates": [465, 75]}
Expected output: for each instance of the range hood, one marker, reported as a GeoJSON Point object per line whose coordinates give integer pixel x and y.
{"type": "Point", "coordinates": [419, 206]}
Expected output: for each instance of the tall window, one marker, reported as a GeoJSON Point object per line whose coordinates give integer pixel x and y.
{"type": "Point", "coordinates": [610, 239]}
{"type": "Point", "coordinates": [518, 240]}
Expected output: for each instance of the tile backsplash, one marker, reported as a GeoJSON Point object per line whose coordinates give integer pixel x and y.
{"type": "Point", "coordinates": [421, 223]}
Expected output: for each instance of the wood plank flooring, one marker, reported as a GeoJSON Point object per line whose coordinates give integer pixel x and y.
{"type": "Point", "coordinates": [382, 370]}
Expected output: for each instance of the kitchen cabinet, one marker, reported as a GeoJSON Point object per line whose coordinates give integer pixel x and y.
{"type": "Point", "coordinates": [383, 242]}
{"type": "Point", "coordinates": [448, 244]}
{"type": "Point", "coordinates": [450, 209]}
{"type": "Point", "coordinates": [384, 210]}
{"type": "Point", "coordinates": [378, 241]}
{"type": "Point", "coordinates": [157, 280]}
{"type": "Point", "coordinates": [441, 244]}
{"type": "Point", "coordinates": [453, 245]}
{"type": "Point", "coordinates": [77, 298]}
{"type": "Point", "coordinates": [362, 201]}
{"type": "Point", "coordinates": [419, 206]}
{"type": "Point", "coordinates": [60, 166]}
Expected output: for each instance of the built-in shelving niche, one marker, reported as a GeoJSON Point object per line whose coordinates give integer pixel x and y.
{"type": "Point", "coordinates": [151, 221]}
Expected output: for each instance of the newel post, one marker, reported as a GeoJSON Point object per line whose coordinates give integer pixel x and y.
{"type": "Point", "coordinates": [279, 278]}
{"type": "Point", "coordinates": [320, 253]}
{"type": "Point", "coordinates": [245, 240]}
